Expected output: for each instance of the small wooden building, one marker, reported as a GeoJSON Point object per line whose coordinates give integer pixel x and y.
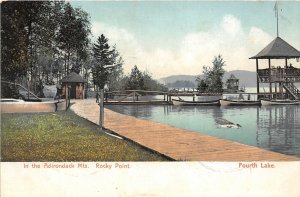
{"type": "Point", "coordinates": [74, 85]}
{"type": "Point", "coordinates": [281, 77]}
{"type": "Point", "coordinates": [232, 83]}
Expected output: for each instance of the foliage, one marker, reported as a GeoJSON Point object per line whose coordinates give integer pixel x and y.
{"type": "Point", "coordinates": [202, 85]}
{"type": "Point", "coordinates": [135, 80]}
{"type": "Point", "coordinates": [212, 79]}
{"type": "Point", "coordinates": [115, 79]}
{"type": "Point", "coordinates": [63, 136]}
{"type": "Point", "coordinates": [38, 37]}
{"type": "Point", "coordinates": [151, 84]}
{"type": "Point", "coordinates": [106, 61]}
{"type": "Point", "coordinates": [73, 35]}
{"type": "Point", "coordinates": [138, 80]}
{"type": "Point", "coordinates": [14, 58]}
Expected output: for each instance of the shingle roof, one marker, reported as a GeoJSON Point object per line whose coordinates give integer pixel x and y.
{"type": "Point", "coordinates": [73, 77]}
{"type": "Point", "coordinates": [277, 49]}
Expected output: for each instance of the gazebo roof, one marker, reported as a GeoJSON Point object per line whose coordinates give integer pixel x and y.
{"type": "Point", "coordinates": [233, 78]}
{"type": "Point", "coordinates": [73, 78]}
{"type": "Point", "coordinates": [277, 49]}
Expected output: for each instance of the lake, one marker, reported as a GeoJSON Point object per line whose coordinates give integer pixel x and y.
{"type": "Point", "coordinates": [275, 128]}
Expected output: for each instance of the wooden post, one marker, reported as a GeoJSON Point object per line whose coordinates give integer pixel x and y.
{"type": "Point", "coordinates": [133, 96]}
{"type": "Point", "coordinates": [164, 97]}
{"type": "Point", "coordinates": [66, 95]}
{"type": "Point", "coordinates": [193, 97]}
{"type": "Point", "coordinates": [275, 90]}
{"type": "Point", "coordinates": [83, 90]}
{"type": "Point", "coordinates": [257, 77]}
{"type": "Point", "coordinates": [270, 84]}
{"type": "Point", "coordinates": [106, 96]}
{"type": "Point", "coordinates": [101, 117]}
{"type": "Point", "coordinates": [284, 75]}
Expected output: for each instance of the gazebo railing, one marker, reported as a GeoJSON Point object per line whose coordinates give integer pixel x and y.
{"type": "Point", "coordinates": [279, 75]}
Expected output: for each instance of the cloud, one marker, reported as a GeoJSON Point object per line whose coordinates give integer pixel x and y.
{"type": "Point", "coordinates": [231, 25]}
{"type": "Point", "coordinates": [196, 49]}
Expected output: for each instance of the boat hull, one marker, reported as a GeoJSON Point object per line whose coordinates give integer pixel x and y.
{"type": "Point", "coordinates": [238, 103]}
{"type": "Point", "coordinates": [195, 103]}
{"type": "Point", "coordinates": [279, 102]}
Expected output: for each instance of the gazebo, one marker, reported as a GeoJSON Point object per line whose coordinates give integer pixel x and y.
{"type": "Point", "coordinates": [282, 77]}
{"type": "Point", "coordinates": [232, 83]}
{"type": "Point", "coordinates": [75, 84]}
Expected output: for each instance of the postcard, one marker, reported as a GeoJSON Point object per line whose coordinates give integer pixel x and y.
{"type": "Point", "coordinates": [150, 98]}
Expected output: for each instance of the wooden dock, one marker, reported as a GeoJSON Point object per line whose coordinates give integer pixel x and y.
{"type": "Point", "coordinates": [179, 144]}
{"type": "Point", "coordinates": [158, 102]}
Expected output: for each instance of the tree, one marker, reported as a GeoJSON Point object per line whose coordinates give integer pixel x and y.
{"type": "Point", "coordinates": [36, 34]}
{"type": "Point", "coordinates": [212, 79]}
{"type": "Point", "coordinates": [135, 80]}
{"type": "Point", "coordinates": [202, 85]}
{"type": "Point", "coordinates": [106, 61]}
{"type": "Point", "coordinates": [73, 36]}
{"type": "Point", "coordinates": [116, 78]}
{"type": "Point", "coordinates": [14, 59]}
{"type": "Point", "coordinates": [151, 84]}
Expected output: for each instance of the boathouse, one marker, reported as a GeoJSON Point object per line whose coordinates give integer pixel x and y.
{"type": "Point", "coordinates": [74, 86]}
{"type": "Point", "coordinates": [279, 78]}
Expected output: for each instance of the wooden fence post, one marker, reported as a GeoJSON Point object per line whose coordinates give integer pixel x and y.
{"type": "Point", "coordinates": [66, 95]}
{"type": "Point", "coordinates": [101, 117]}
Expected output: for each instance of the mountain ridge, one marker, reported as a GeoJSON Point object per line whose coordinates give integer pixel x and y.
{"type": "Point", "coordinates": [247, 78]}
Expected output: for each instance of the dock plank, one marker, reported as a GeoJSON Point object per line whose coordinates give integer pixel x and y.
{"type": "Point", "coordinates": [179, 144]}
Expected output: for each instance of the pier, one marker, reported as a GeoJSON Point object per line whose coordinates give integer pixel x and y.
{"type": "Point", "coordinates": [144, 97]}
{"type": "Point", "coordinates": [176, 143]}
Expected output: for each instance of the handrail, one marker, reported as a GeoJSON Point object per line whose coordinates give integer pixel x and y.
{"type": "Point", "coordinates": [150, 91]}
{"type": "Point", "coordinates": [292, 89]}
{"type": "Point", "coordinates": [16, 84]}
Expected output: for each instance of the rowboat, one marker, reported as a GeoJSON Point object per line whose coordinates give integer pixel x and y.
{"type": "Point", "coordinates": [280, 102]}
{"type": "Point", "coordinates": [192, 103]}
{"type": "Point", "coordinates": [225, 102]}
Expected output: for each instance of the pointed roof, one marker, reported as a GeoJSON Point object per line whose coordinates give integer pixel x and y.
{"type": "Point", "coordinates": [232, 76]}
{"type": "Point", "coordinates": [277, 49]}
{"type": "Point", "coordinates": [73, 77]}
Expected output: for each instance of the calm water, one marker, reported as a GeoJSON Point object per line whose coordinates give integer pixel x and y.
{"type": "Point", "coordinates": [275, 128]}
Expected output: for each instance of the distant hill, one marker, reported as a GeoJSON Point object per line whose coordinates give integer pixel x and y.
{"type": "Point", "coordinates": [174, 78]}
{"type": "Point", "coordinates": [247, 78]}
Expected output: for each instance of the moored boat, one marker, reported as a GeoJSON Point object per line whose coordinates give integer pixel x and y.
{"type": "Point", "coordinates": [225, 102]}
{"type": "Point", "coordinates": [280, 102]}
{"type": "Point", "coordinates": [192, 103]}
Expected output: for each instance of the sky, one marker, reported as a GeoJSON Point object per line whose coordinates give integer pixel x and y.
{"type": "Point", "coordinates": [179, 38]}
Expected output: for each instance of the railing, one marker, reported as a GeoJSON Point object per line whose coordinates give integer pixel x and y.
{"type": "Point", "coordinates": [290, 87]}
{"type": "Point", "coordinates": [135, 95]}
{"type": "Point", "coordinates": [22, 87]}
{"type": "Point", "coordinates": [279, 75]}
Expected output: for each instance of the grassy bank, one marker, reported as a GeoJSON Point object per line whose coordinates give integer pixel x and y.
{"type": "Point", "coordinates": [63, 136]}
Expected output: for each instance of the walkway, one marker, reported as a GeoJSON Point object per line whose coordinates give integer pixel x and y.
{"type": "Point", "coordinates": [176, 143]}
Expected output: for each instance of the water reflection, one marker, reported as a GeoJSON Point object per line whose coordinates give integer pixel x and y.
{"type": "Point", "coordinates": [278, 129]}
{"type": "Point", "coordinates": [275, 128]}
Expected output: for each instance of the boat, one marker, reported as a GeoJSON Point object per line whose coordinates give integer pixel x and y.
{"type": "Point", "coordinates": [280, 102]}
{"type": "Point", "coordinates": [225, 102]}
{"type": "Point", "coordinates": [193, 103]}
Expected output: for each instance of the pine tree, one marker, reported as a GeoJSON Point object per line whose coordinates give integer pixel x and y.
{"type": "Point", "coordinates": [105, 59]}
{"type": "Point", "coordinates": [135, 80]}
